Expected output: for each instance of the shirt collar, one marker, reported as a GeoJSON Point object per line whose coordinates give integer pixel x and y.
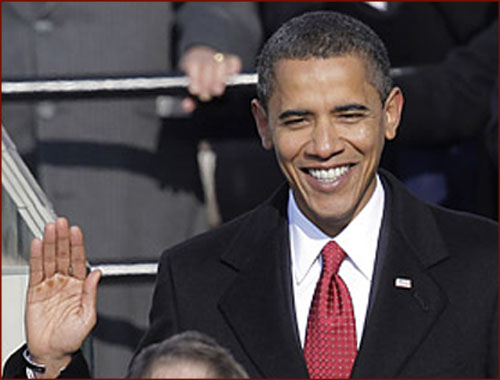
{"type": "Point", "coordinates": [307, 240]}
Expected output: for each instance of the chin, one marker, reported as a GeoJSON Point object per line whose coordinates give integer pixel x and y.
{"type": "Point", "coordinates": [331, 215]}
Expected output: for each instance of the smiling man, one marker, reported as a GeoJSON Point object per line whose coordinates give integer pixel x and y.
{"type": "Point", "coordinates": [328, 122]}
{"type": "Point", "coordinates": [342, 273]}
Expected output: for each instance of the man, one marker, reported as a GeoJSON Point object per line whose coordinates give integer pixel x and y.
{"type": "Point", "coordinates": [415, 295]}
{"type": "Point", "coordinates": [189, 355]}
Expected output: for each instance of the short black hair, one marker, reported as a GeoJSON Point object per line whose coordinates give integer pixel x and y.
{"type": "Point", "coordinates": [323, 34]}
{"type": "Point", "coordinates": [188, 347]}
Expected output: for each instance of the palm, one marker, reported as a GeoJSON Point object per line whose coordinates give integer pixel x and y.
{"type": "Point", "coordinates": [61, 300]}
{"type": "Point", "coordinates": [55, 317]}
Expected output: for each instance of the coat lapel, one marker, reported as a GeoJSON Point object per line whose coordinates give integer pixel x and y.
{"type": "Point", "coordinates": [401, 317]}
{"type": "Point", "coordinates": [262, 294]}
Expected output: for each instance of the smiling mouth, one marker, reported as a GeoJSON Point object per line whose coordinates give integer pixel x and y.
{"type": "Point", "coordinates": [328, 175]}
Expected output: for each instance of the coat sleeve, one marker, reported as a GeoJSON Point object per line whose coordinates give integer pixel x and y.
{"type": "Point", "coordinates": [15, 367]}
{"type": "Point", "coordinates": [493, 351]}
{"type": "Point", "coordinates": [163, 314]}
{"type": "Point", "coordinates": [229, 27]}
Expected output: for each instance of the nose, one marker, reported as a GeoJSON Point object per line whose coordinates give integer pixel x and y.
{"type": "Point", "coordinates": [325, 140]}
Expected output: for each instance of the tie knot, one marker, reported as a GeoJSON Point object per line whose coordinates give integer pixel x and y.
{"type": "Point", "coordinates": [333, 256]}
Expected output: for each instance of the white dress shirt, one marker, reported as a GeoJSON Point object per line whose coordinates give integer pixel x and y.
{"type": "Point", "coordinates": [359, 240]}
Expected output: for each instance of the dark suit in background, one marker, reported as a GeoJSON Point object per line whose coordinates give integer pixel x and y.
{"type": "Point", "coordinates": [108, 165]}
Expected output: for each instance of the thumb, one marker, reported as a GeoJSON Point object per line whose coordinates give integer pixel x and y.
{"type": "Point", "coordinates": [89, 297]}
{"type": "Point", "coordinates": [188, 105]}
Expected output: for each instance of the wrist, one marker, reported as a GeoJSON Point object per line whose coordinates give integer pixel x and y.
{"type": "Point", "coordinates": [40, 367]}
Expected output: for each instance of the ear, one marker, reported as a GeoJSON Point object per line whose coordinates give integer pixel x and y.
{"type": "Point", "coordinates": [392, 109]}
{"type": "Point", "coordinates": [260, 116]}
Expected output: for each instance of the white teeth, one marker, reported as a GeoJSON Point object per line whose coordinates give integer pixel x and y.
{"type": "Point", "coordinates": [329, 175]}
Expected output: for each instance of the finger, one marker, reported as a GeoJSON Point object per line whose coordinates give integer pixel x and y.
{"type": "Point", "coordinates": [36, 262]}
{"type": "Point", "coordinates": [207, 79]}
{"type": "Point", "coordinates": [78, 257]}
{"type": "Point", "coordinates": [62, 246]}
{"type": "Point", "coordinates": [218, 84]}
{"type": "Point", "coordinates": [233, 65]}
{"type": "Point", "coordinates": [49, 250]}
{"type": "Point", "coordinates": [194, 74]}
{"type": "Point", "coordinates": [89, 296]}
{"type": "Point", "coordinates": [189, 63]}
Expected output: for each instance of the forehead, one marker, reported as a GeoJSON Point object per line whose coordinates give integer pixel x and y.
{"type": "Point", "coordinates": [326, 79]}
{"type": "Point", "coordinates": [178, 368]}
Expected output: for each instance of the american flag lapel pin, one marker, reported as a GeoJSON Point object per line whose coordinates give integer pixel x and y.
{"type": "Point", "coordinates": [403, 283]}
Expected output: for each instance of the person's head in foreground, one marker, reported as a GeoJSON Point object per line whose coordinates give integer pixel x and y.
{"type": "Point", "coordinates": [187, 355]}
{"type": "Point", "coordinates": [326, 104]}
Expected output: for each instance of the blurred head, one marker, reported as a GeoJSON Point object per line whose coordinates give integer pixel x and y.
{"type": "Point", "coordinates": [326, 105]}
{"type": "Point", "coordinates": [186, 355]}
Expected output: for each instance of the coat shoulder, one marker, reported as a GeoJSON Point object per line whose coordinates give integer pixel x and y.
{"type": "Point", "coordinates": [471, 237]}
{"type": "Point", "coordinates": [435, 227]}
{"type": "Point", "coordinates": [254, 226]}
{"type": "Point", "coordinates": [211, 243]}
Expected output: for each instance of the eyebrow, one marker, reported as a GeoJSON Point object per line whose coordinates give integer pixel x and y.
{"type": "Point", "coordinates": [343, 108]}
{"type": "Point", "coordinates": [350, 107]}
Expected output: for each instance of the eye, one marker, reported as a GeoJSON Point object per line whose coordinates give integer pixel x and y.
{"type": "Point", "coordinates": [295, 121]}
{"type": "Point", "coordinates": [351, 117]}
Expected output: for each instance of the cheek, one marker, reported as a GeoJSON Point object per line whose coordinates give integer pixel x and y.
{"type": "Point", "coordinates": [287, 145]}
{"type": "Point", "coordinates": [368, 139]}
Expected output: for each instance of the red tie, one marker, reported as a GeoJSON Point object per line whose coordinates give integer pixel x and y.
{"type": "Point", "coordinates": [330, 347]}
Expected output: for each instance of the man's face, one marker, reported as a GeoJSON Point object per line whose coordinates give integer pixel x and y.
{"type": "Point", "coordinates": [327, 125]}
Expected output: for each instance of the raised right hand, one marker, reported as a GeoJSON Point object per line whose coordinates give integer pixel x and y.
{"type": "Point", "coordinates": [61, 299]}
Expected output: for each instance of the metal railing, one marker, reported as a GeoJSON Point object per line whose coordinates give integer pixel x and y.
{"type": "Point", "coordinates": [15, 90]}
